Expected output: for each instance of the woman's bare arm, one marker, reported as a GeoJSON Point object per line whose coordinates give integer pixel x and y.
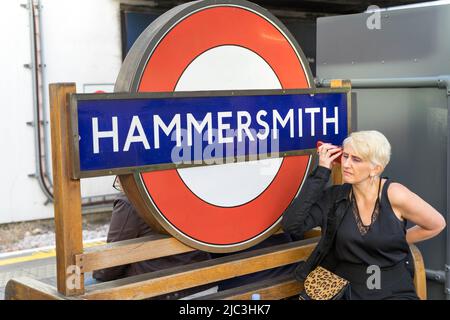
{"type": "Point", "coordinates": [429, 222]}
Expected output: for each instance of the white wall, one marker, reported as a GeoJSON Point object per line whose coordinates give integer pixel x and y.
{"type": "Point", "coordinates": [82, 45]}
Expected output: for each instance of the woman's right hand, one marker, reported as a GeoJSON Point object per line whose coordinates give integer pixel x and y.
{"type": "Point", "coordinates": [327, 154]}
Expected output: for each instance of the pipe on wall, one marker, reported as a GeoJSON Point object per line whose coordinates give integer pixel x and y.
{"type": "Point", "coordinates": [37, 124]}
{"type": "Point", "coordinates": [441, 82]}
{"type": "Point", "coordinates": [40, 118]}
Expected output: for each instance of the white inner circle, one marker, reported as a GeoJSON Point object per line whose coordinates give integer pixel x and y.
{"type": "Point", "coordinates": [229, 68]}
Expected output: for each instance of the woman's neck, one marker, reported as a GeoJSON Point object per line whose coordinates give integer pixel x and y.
{"type": "Point", "coordinates": [367, 189]}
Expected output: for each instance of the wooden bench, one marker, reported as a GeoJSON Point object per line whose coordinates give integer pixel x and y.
{"type": "Point", "coordinates": [73, 261]}
{"type": "Point", "coordinates": [179, 278]}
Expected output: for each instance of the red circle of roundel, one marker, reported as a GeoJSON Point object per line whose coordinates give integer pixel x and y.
{"type": "Point", "coordinates": [213, 27]}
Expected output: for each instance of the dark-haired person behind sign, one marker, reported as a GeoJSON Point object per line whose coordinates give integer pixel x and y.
{"type": "Point", "coordinates": [363, 221]}
{"type": "Point", "coordinates": [127, 224]}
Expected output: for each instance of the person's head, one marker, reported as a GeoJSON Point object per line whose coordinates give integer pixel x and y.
{"type": "Point", "coordinates": [365, 155]}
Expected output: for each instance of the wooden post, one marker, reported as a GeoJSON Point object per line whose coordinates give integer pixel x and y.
{"type": "Point", "coordinates": [336, 175]}
{"type": "Point", "coordinates": [67, 205]}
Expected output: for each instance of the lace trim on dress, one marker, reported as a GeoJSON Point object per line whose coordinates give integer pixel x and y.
{"type": "Point", "coordinates": [363, 229]}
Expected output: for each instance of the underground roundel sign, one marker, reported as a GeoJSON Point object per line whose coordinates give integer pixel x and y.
{"type": "Point", "coordinates": [208, 46]}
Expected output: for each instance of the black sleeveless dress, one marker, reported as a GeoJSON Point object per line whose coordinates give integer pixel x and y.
{"type": "Point", "coordinates": [373, 258]}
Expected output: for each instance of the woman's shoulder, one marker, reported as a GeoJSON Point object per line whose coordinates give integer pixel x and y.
{"type": "Point", "coordinates": [398, 193]}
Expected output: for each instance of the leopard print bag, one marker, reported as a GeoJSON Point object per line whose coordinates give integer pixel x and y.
{"type": "Point", "coordinates": [321, 284]}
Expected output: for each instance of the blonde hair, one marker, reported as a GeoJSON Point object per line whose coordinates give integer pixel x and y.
{"type": "Point", "coordinates": [370, 145]}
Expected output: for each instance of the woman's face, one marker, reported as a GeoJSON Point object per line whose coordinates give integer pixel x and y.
{"type": "Point", "coordinates": [354, 168]}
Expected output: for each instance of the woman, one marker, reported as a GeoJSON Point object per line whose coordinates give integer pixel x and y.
{"type": "Point", "coordinates": [363, 221]}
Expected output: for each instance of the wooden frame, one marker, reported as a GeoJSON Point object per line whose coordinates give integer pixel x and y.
{"type": "Point", "coordinates": [73, 261]}
{"type": "Point", "coordinates": [67, 194]}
